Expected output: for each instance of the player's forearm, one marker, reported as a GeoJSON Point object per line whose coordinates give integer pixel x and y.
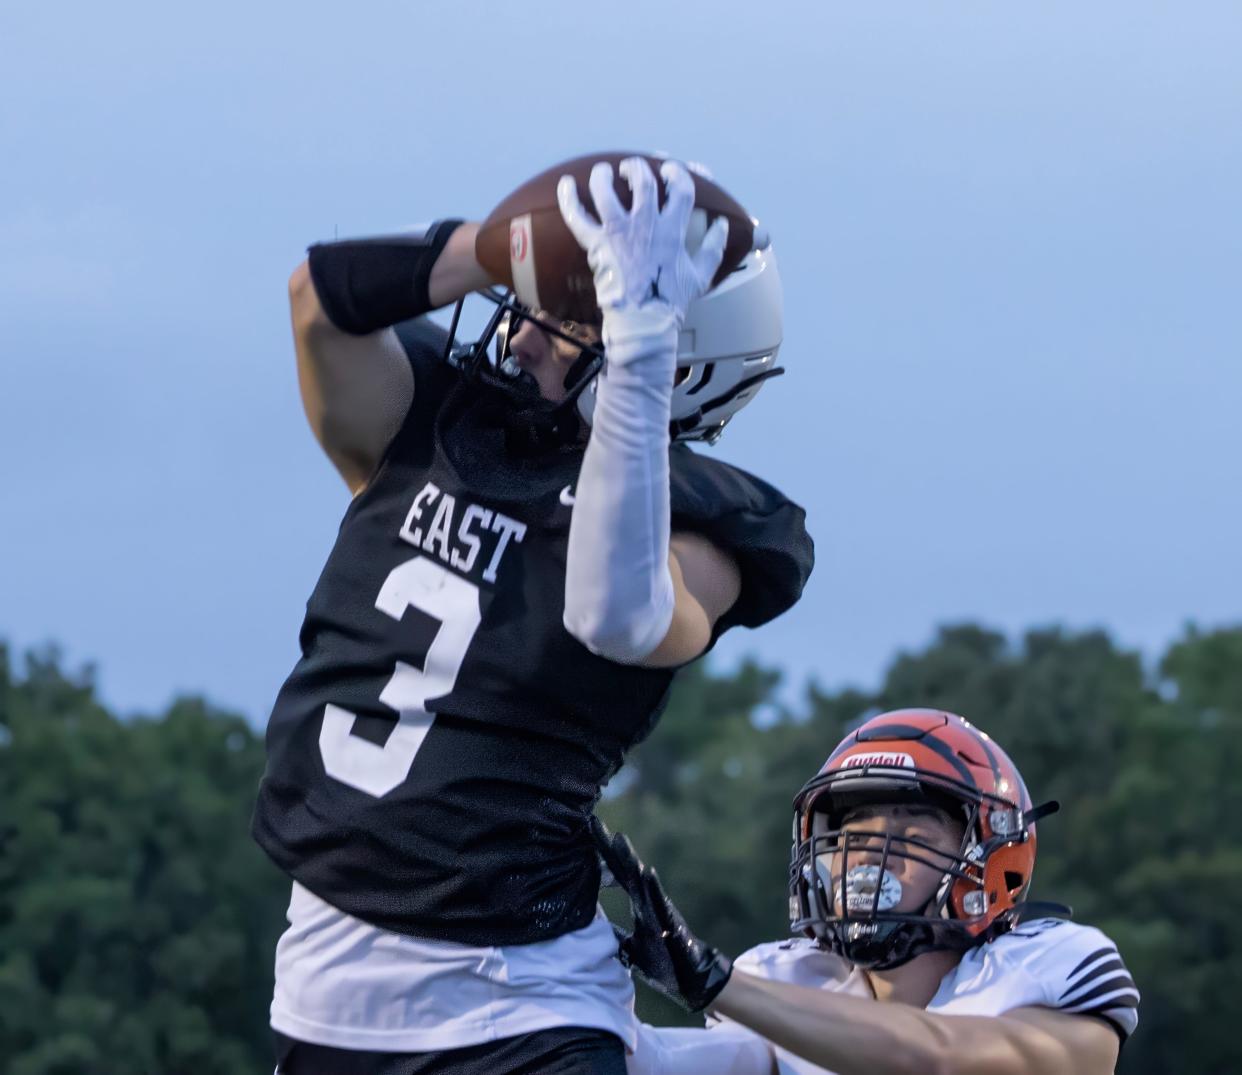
{"type": "Point", "coordinates": [619, 594]}
{"type": "Point", "coordinates": [457, 272]}
{"type": "Point", "coordinates": [857, 1036]}
{"type": "Point", "coordinates": [847, 1035]}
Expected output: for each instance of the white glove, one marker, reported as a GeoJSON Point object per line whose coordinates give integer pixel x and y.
{"type": "Point", "coordinates": [645, 278]}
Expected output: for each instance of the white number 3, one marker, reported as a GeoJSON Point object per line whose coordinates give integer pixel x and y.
{"type": "Point", "coordinates": [425, 585]}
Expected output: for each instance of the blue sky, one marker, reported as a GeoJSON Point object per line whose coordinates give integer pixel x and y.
{"type": "Point", "coordinates": [1011, 239]}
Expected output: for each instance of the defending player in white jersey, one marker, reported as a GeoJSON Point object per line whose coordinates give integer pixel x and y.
{"type": "Point", "coordinates": [912, 857]}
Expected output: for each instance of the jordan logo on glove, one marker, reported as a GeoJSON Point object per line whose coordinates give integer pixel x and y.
{"type": "Point", "coordinates": [645, 277]}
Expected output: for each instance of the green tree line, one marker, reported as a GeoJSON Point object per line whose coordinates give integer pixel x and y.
{"type": "Point", "coordinates": [137, 920]}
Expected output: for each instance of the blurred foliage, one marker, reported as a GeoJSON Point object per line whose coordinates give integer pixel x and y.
{"type": "Point", "coordinates": [138, 921]}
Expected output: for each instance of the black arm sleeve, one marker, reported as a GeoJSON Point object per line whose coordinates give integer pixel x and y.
{"type": "Point", "coordinates": [368, 284]}
{"type": "Point", "coordinates": [761, 528]}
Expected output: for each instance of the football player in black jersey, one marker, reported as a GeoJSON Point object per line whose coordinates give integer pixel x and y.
{"type": "Point", "coordinates": [530, 553]}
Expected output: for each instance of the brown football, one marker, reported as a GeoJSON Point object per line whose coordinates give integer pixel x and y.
{"type": "Point", "coordinates": [524, 244]}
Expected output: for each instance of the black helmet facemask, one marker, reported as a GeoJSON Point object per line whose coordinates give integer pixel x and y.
{"type": "Point", "coordinates": [867, 931]}
{"type": "Point", "coordinates": [533, 425]}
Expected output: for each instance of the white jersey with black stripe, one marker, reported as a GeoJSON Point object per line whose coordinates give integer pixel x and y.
{"type": "Point", "coordinates": [1048, 963]}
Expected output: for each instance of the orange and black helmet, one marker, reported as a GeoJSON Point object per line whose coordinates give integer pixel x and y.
{"type": "Point", "coordinates": [928, 757]}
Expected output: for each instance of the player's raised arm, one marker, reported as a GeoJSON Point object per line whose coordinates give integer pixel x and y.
{"type": "Point", "coordinates": [355, 377]}
{"type": "Point", "coordinates": [627, 597]}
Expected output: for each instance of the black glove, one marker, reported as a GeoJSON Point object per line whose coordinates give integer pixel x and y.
{"type": "Point", "coordinates": [661, 947]}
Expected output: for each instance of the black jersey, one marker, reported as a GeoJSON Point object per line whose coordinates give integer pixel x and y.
{"type": "Point", "coordinates": [435, 754]}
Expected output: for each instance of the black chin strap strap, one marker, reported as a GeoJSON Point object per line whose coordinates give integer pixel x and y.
{"type": "Point", "coordinates": [561, 425]}
{"type": "Point", "coordinates": [588, 363]}
{"type": "Point", "coordinates": [530, 433]}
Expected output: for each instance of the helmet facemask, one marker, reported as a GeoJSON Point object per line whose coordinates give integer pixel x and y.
{"type": "Point", "coordinates": [925, 757]}
{"type": "Point", "coordinates": [534, 424]}
{"type": "Point", "coordinates": [844, 884]}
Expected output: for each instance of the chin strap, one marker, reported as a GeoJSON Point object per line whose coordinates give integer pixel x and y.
{"type": "Point", "coordinates": [534, 431]}
{"type": "Point", "coordinates": [589, 362]}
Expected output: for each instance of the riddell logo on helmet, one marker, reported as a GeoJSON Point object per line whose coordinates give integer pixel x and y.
{"type": "Point", "coordinates": [887, 758]}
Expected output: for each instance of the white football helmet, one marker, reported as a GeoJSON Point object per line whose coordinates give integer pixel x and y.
{"type": "Point", "coordinates": [727, 348]}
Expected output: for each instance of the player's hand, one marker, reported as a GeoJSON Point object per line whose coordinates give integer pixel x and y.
{"type": "Point", "coordinates": [643, 272]}
{"type": "Point", "coordinates": [661, 947]}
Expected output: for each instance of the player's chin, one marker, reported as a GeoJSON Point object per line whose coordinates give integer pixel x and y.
{"type": "Point", "coordinates": [551, 382]}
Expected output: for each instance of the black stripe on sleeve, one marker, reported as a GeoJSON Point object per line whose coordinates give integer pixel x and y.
{"type": "Point", "coordinates": [1121, 1002]}
{"type": "Point", "coordinates": [1093, 974]}
{"type": "Point", "coordinates": [1121, 983]}
{"type": "Point", "coordinates": [1109, 951]}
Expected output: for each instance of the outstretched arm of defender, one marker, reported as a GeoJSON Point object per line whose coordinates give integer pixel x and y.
{"type": "Point", "coordinates": [857, 1036]}
{"type": "Point", "coordinates": [354, 375]}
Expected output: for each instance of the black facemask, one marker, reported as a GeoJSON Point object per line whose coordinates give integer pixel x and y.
{"type": "Point", "coordinates": [533, 425]}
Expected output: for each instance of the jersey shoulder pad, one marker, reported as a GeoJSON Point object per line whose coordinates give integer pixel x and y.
{"type": "Point", "coordinates": [1078, 970]}
{"type": "Point", "coordinates": [760, 527]}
